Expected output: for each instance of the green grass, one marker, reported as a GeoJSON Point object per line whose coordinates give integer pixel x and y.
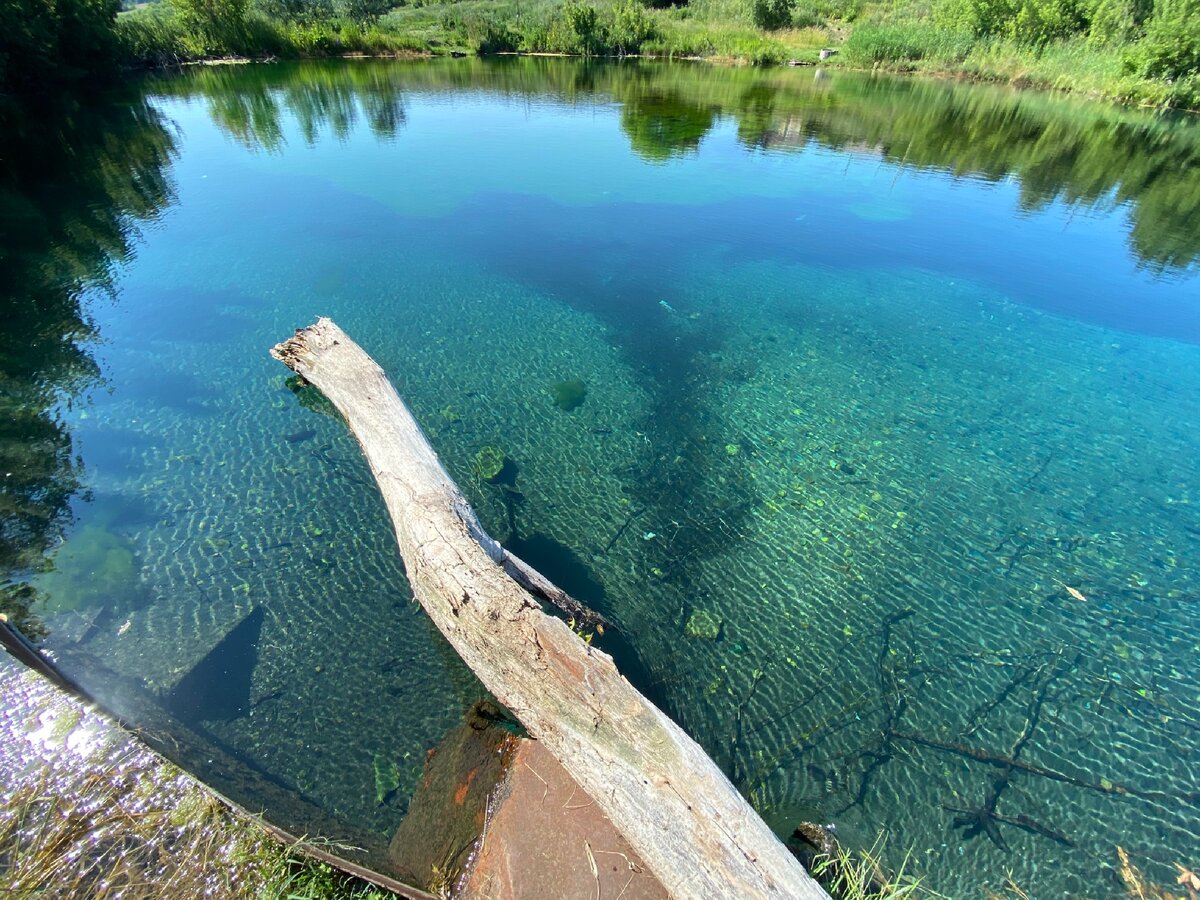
{"type": "Point", "coordinates": [902, 42]}
{"type": "Point", "coordinates": [860, 876]}
{"type": "Point", "coordinates": [894, 35]}
{"type": "Point", "coordinates": [88, 812]}
{"type": "Point", "coordinates": [154, 36]}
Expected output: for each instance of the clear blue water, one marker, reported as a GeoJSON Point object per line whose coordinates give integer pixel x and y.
{"type": "Point", "coordinates": [882, 376]}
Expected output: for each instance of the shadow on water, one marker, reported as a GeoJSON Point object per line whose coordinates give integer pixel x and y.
{"type": "Point", "coordinates": [677, 352]}
{"type": "Point", "coordinates": [217, 689]}
{"type": "Point", "coordinates": [565, 568]}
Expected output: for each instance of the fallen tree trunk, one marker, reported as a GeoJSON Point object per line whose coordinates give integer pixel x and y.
{"type": "Point", "coordinates": [670, 801]}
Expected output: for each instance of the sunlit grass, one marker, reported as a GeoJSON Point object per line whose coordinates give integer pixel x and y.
{"type": "Point", "coordinates": [86, 812]}
{"type": "Point", "coordinates": [899, 35]}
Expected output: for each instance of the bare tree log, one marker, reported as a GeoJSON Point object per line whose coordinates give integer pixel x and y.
{"type": "Point", "coordinates": [670, 801]}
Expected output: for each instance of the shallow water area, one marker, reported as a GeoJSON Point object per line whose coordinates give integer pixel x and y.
{"type": "Point", "coordinates": [879, 446]}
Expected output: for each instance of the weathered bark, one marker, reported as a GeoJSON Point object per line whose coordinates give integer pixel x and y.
{"type": "Point", "coordinates": [670, 801]}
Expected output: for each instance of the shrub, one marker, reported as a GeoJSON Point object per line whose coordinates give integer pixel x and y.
{"type": "Point", "coordinates": [771, 14]}
{"type": "Point", "coordinates": [1116, 21]}
{"type": "Point", "coordinates": [578, 29]}
{"type": "Point", "coordinates": [362, 12]}
{"type": "Point", "coordinates": [629, 27]}
{"type": "Point", "coordinates": [1032, 22]}
{"type": "Point", "coordinates": [302, 12]}
{"type": "Point", "coordinates": [1171, 47]}
{"type": "Point", "coordinates": [487, 34]}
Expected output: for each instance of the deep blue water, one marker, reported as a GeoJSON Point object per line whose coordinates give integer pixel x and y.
{"type": "Point", "coordinates": [882, 376]}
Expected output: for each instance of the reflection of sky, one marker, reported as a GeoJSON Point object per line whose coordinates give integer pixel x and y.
{"type": "Point", "coordinates": [814, 205]}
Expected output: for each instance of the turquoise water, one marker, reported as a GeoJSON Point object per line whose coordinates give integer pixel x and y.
{"type": "Point", "coordinates": [895, 384]}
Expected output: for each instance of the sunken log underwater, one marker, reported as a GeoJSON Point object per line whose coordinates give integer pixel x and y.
{"type": "Point", "coordinates": [661, 791]}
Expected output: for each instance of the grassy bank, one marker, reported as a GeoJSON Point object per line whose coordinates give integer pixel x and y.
{"type": "Point", "coordinates": [1135, 51]}
{"type": "Point", "coordinates": [87, 811]}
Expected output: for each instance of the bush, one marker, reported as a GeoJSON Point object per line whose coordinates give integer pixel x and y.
{"type": "Point", "coordinates": [629, 27]}
{"type": "Point", "coordinates": [1032, 22]}
{"type": "Point", "coordinates": [1116, 21]}
{"type": "Point", "coordinates": [303, 12]}
{"type": "Point", "coordinates": [1171, 47]}
{"type": "Point", "coordinates": [771, 15]}
{"type": "Point", "coordinates": [576, 29]}
{"type": "Point", "coordinates": [362, 12]}
{"type": "Point", "coordinates": [487, 34]}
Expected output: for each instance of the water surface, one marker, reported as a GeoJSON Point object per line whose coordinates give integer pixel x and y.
{"type": "Point", "coordinates": [885, 466]}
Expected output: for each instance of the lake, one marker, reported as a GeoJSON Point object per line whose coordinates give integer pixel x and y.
{"type": "Point", "coordinates": [868, 409]}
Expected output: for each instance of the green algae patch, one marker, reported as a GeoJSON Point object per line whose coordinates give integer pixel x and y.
{"type": "Point", "coordinates": [491, 464]}
{"type": "Point", "coordinates": [569, 395]}
{"type": "Point", "coordinates": [387, 778]}
{"type": "Point", "coordinates": [702, 625]}
{"type": "Point", "coordinates": [94, 568]}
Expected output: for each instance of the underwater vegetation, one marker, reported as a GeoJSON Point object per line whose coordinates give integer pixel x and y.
{"type": "Point", "coordinates": [493, 466]}
{"type": "Point", "coordinates": [387, 777]}
{"type": "Point", "coordinates": [95, 568]}
{"type": "Point", "coordinates": [702, 625]}
{"type": "Point", "coordinates": [569, 395]}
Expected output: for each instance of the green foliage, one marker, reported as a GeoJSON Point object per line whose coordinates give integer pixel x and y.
{"type": "Point", "coordinates": [301, 12]}
{"type": "Point", "coordinates": [1116, 21]}
{"type": "Point", "coordinates": [362, 12]}
{"type": "Point", "coordinates": [577, 29]}
{"type": "Point", "coordinates": [213, 26]}
{"type": "Point", "coordinates": [859, 876]}
{"type": "Point", "coordinates": [1033, 22]}
{"type": "Point", "coordinates": [629, 27]}
{"type": "Point", "coordinates": [151, 36]}
{"type": "Point", "coordinates": [771, 14]}
{"type": "Point", "coordinates": [1171, 47]}
{"type": "Point", "coordinates": [48, 47]}
{"type": "Point", "coordinates": [489, 34]}
{"type": "Point", "coordinates": [490, 463]}
{"type": "Point", "coordinates": [905, 41]}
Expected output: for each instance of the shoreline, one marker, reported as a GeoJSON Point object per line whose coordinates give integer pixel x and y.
{"type": "Point", "coordinates": [957, 76]}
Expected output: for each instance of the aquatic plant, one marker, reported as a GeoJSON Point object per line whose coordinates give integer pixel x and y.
{"type": "Point", "coordinates": [94, 567]}
{"type": "Point", "coordinates": [569, 395]}
{"type": "Point", "coordinates": [387, 777]}
{"type": "Point", "coordinates": [859, 875]}
{"type": "Point", "coordinates": [490, 463]}
{"type": "Point", "coordinates": [703, 625]}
